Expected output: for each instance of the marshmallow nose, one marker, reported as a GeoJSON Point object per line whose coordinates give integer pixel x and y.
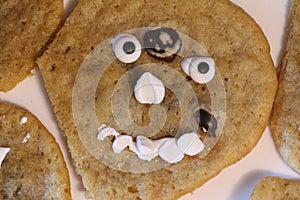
{"type": "Point", "coordinates": [149, 89]}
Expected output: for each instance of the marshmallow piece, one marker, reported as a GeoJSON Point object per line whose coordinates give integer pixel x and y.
{"type": "Point", "coordinates": [144, 145]}
{"type": "Point", "coordinates": [190, 144]}
{"type": "Point", "coordinates": [133, 148]}
{"type": "Point", "coordinates": [146, 148]}
{"type": "Point", "coordinates": [3, 153]}
{"type": "Point", "coordinates": [170, 152]}
{"type": "Point", "coordinates": [158, 143]}
{"type": "Point", "coordinates": [104, 131]}
{"type": "Point", "coordinates": [149, 89]}
{"type": "Point", "coordinates": [148, 156]}
{"type": "Point", "coordinates": [121, 142]}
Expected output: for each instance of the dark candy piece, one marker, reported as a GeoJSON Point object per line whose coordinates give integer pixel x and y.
{"type": "Point", "coordinates": [207, 122]}
{"type": "Point", "coordinates": [162, 43]}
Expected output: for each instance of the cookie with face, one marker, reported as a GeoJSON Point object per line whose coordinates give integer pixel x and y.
{"type": "Point", "coordinates": [285, 119]}
{"type": "Point", "coordinates": [154, 101]}
{"type": "Point", "coordinates": [26, 28]}
{"type": "Point", "coordinates": [276, 188]}
{"type": "Point", "coordinates": [32, 165]}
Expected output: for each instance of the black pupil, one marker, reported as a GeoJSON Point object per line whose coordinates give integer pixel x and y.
{"type": "Point", "coordinates": [203, 67]}
{"type": "Point", "coordinates": [128, 47]}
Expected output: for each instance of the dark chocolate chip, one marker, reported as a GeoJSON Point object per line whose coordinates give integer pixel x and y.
{"type": "Point", "coordinates": [207, 122]}
{"type": "Point", "coordinates": [162, 43]}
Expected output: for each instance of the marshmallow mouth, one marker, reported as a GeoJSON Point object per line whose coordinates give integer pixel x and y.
{"type": "Point", "coordinates": [170, 149]}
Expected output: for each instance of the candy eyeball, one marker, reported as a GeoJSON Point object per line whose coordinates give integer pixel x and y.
{"type": "Point", "coordinates": [200, 69]}
{"type": "Point", "coordinates": [126, 48]}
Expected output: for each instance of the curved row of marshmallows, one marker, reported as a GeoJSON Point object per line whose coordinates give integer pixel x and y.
{"type": "Point", "coordinates": [169, 149]}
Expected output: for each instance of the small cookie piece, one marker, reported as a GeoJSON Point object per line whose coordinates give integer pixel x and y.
{"type": "Point", "coordinates": [276, 188]}
{"type": "Point", "coordinates": [34, 168]}
{"type": "Point", "coordinates": [26, 27]}
{"type": "Point", "coordinates": [285, 118]}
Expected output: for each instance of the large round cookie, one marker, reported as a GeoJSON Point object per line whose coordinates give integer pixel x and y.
{"type": "Point", "coordinates": [223, 31]}
{"type": "Point", "coordinates": [285, 118]}
{"type": "Point", "coordinates": [34, 167]}
{"type": "Point", "coordinates": [26, 27]}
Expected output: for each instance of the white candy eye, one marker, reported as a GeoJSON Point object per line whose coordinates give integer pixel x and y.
{"type": "Point", "coordinates": [126, 48]}
{"type": "Point", "coordinates": [200, 69]}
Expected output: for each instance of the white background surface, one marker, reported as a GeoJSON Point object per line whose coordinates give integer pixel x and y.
{"type": "Point", "coordinates": [233, 183]}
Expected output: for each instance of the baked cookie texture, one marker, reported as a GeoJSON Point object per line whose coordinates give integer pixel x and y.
{"type": "Point", "coordinates": [26, 27]}
{"type": "Point", "coordinates": [34, 168]}
{"type": "Point", "coordinates": [232, 39]}
{"type": "Point", "coordinates": [276, 188]}
{"type": "Point", "coordinates": [285, 119]}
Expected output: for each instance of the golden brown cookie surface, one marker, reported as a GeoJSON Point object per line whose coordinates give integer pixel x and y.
{"type": "Point", "coordinates": [34, 168]}
{"type": "Point", "coordinates": [26, 27]}
{"type": "Point", "coordinates": [230, 37]}
{"type": "Point", "coordinates": [285, 119]}
{"type": "Point", "coordinates": [276, 188]}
